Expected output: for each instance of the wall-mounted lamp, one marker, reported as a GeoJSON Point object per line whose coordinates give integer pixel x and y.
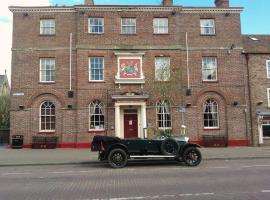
{"type": "Point", "coordinates": [259, 103]}
{"type": "Point", "coordinates": [235, 103]}
{"type": "Point", "coordinates": [21, 107]}
{"type": "Point", "coordinates": [188, 92]}
{"type": "Point", "coordinates": [188, 105]}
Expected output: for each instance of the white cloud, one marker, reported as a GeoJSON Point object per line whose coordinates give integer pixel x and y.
{"type": "Point", "coordinates": [6, 29]}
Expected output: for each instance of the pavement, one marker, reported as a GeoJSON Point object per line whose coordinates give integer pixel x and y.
{"type": "Point", "coordinates": [26, 156]}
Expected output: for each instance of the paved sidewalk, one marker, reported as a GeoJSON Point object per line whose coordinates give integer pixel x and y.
{"type": "Point", "coordinates": [10, 157]}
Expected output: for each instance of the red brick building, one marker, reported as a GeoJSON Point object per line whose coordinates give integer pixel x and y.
{"type": "Point", "coordinates": [117, 70]}
{"type": "Point", "coordinates": [257, 58]}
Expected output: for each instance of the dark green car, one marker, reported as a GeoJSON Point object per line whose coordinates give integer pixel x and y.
{"type": "Point", "coordinates": [118, 151]}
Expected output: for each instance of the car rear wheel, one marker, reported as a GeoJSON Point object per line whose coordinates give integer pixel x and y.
{"type": "Point", "coordinates": [117, 158]}
{"type": "Point", "coordinates": [192, 156]}
{"type": "Point", "coordinates": [169, 146]}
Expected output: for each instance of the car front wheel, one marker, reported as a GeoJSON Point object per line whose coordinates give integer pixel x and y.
{"type": "Point", "coordinates": [192, 156]}
{"type": "Point", "coordinates": [117, 158]}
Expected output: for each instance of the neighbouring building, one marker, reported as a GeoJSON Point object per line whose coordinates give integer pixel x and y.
{"type": "Point", "coordinates": [257, 58]}
{"type": "Point", "coordinates": [120, 70]}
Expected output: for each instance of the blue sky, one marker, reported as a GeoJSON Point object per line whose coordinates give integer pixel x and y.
{"type": "Point", "coordinates": [255, 17]}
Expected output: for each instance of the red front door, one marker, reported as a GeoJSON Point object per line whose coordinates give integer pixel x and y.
{"type": "Point", "coordinates": [130, 125]}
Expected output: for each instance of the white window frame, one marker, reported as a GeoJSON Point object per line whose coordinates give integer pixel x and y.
{"type": "Point", "coordinates": [45, 116]}
{"type": "Point", "coordinates": [161, 27]}
{"type": "Point", "coordinates": [92, 108]}
{"type": "Point", "coordinates": [166, 73]}
{"type": "Point", "coordinates": [211, 27]}
{"type": "Point", "coordinates": [206, 103]}
{"type": "Point", "coordinates": [161, 104]}
{"type": "Point", "coordinates": [268, 68]}
{"type": "Point", "coordinates": [100, 69]}
{"type": "Point", "coordinates": [43, 69]}
{"type": "Point", "coordinates": [206, 67]}
{"type": "Point", "coordinates": [98, 20]}
{"type": "Point", "coordinates": [45, 25]}
{"type": "Point", "coordinates": [128, 25]}
{"type": "Point", "coordinates": [268, 97]}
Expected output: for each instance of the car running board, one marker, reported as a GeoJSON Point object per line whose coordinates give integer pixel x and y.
{"type": "Point", "coordinates": [153, 156]}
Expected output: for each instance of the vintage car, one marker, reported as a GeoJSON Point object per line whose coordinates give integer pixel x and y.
{"type": "Point", "coordinates": [118, 151]}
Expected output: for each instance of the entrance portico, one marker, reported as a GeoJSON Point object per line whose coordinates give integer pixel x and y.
{"type": "Point", "coordinates": [130, 115]}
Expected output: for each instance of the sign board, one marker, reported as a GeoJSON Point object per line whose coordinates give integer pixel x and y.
{"type": "Point", "coordinates": [182, 109]}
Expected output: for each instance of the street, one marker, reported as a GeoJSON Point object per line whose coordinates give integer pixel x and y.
{"type": "Point", "coordinates": [213, 179]}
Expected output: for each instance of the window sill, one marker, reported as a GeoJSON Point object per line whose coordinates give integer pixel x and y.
{"type": "Point", "coordinates": [164, 128]}
{"type": "Point", "coordinates": [47, 35]}
{"type": "Point", "coordinates": [207, 34]}
{"type": "Point", "coordinates": [131, 34]}
{"type": "Point", "coordinates": [129, 81]}
{"type": "Point", "coordinates": [46, 82]}
{"type": "Point", "coordinates": [46, 132]}
{"type": "Point", "coordinates": [96, 130]}
{"type": "Point", "coordinates": [92, 81]}
{"type": "Point", "coordinates": [209, 81]}
{"type": "Point", "coordinates": [211, 129]}
{"type": "Point", "coordinates": [95, 33]}
{"type": "Point", "coordinates": [161, 34]}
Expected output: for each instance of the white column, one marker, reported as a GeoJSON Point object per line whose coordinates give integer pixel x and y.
{"type": "Point", "coordinates": [117, 121]}
{"type": "Point", "coordinates": [143, 119]}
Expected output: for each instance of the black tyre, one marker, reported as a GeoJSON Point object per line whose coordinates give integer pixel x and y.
{"type": "Point", "coordinates": [117, 158]}
{"type": "Point", "coordinates": [169, 147]}
{"type": "Point", "coordinates": [192, 156]}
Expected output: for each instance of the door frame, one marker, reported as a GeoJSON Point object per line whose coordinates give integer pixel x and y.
{"type": "Point", "coordinates": [119, 116]}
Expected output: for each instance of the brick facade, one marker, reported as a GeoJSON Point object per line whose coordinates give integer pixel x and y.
{"type": "Point", "coordinates": [72, 124]}
{"type": "Point", "coordinates": [257, 54]}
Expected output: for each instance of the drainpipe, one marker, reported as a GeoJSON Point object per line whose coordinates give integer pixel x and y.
{"type": "Point", "coordinates": [249, 101]}
{"type": "Point", "coordinates": [70, 59]}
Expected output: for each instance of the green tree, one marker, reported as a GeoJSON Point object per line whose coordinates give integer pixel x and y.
{"type": "Point", "coordinates": [4, 111]}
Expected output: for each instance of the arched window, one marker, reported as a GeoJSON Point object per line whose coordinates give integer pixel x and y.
{"type": "Point", "coordinates": [47, 116]}
{"type": "Point", "coordinates": [96, 115]}
{"type": "Point", "coordinates": [163, 114]}
{"type": "Point", "coordinates": [210, 114]}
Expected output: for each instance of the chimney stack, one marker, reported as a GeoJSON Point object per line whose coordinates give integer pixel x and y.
{"type": "Point", "coordinates": [89, 2]}
{"type": "Point", "coordinates": [222, 3]}
{"type": "Point", "coordinates": [167, 2]}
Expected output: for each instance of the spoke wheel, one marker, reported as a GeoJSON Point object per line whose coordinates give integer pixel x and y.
{"type": "Point", "coordinates": [192, 156]}
{"type": "Point", "coordinates": [169, 147]}
{"type": "Point", "coordinates": [117, 158]}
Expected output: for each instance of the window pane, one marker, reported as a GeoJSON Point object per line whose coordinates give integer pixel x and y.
{"type": "Point", "coordinates": [128, 25]}
{"type": "Point", "coordinates": [47, 69]}
{"type": "Point", "coordinates": [160, 25]}
{"type": "Point", "coordinates": [95, 25]}
{"type": "Point", "coordinates": [210, 114]}
{"type": "Point", "coordinates": [96, 115]}
{"type": "Point", "coordinates": [47, 116]}
{"type": "Point", "coordinates": [163, 114]}
{"type": "Point", "coordinates": [162, 68]}
{"type": "Point", "coordinates": [207, 26]}
{"type": "Point", "coordinates": [47, 26]}
{"type": "Point", "coordinates": [96, 68]}
{"type": "Point", "coordinates": [209, 68]}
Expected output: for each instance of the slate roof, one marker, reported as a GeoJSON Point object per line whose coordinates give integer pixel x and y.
{"type": "Point", "coordinates": [256, 43]}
